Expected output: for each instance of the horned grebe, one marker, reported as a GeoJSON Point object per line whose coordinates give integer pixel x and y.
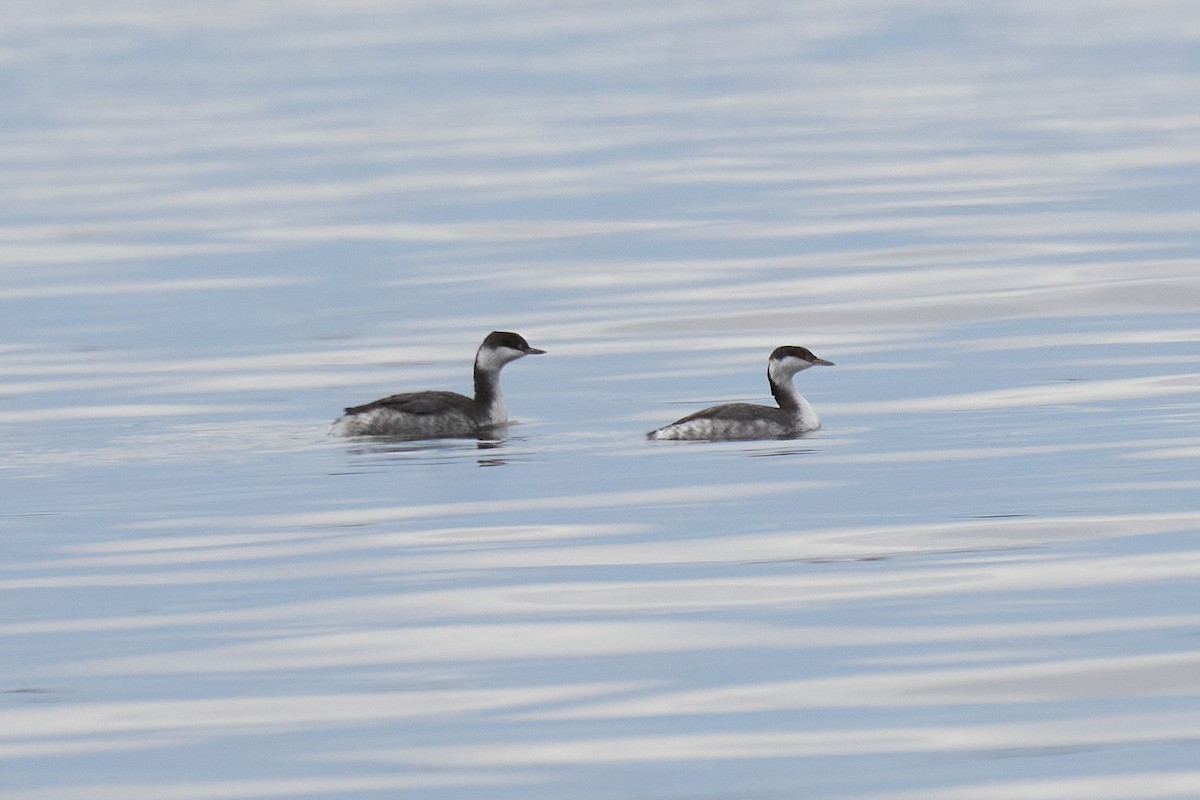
{"type": "Point", "coordinates": [747, 421]}
{"type": "Point", "coordinates": [425, 415]}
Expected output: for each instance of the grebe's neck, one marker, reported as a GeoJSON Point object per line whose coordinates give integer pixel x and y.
{"type": "Point", "coordinates": [789, 400]}
{"type": "Point", "coordinates": [487, 390]}
{"type": "Point", "coordinates": [784, 392]}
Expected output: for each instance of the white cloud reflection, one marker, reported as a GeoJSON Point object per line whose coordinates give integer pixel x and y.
{"type": "Point", "coordinates": [1126, 785]}
{"type": "Point", "coordinates": [1068, 733]}
{"type": "Point", "coordinates": [144, 287]}
{"type": "Point", "coordinates": [1067, 393]}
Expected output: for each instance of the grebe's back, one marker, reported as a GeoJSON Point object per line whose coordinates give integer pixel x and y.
{"type": "Point", "coordinates": [431, 414]}
{"type": "Point", "coordinates": [794, 416]}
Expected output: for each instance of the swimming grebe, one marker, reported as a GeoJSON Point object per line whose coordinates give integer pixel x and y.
{"type": "Point", "coordinates": [747, 421]}
{"type": "Point", "coordinates": [424, 415]}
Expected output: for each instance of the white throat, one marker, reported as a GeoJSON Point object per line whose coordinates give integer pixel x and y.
{"type": "Point", "coordinates": [488, 363]}
{"type": "Point", "coordinates": [806, 415]}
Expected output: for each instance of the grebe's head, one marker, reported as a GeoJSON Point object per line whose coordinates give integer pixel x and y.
{"type": "Point", "coordinates": [501, 347]}
{"type": "Point", "coordinates": [789, 359]}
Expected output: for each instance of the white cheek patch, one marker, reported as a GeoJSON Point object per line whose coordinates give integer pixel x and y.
{"type": "Point", "coordinates": [785, 368]}
{"type": "Point", "coordinates": [492, 359]}
{"type": "Point", "coordinates": [797, 364]}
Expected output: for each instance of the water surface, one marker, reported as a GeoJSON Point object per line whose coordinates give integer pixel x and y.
{"type": "Point", "coordinates": [224, 223]}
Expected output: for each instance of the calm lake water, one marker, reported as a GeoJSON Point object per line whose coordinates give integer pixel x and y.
{"type": "Point", "coordinates": [225, 221]}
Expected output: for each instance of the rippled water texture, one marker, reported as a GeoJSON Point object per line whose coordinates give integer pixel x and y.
{"type": "Point", "coordinates": [224, 221]}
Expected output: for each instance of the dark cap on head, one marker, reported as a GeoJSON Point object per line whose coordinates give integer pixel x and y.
{"type": "Point", "coordinates": [513, 341]}
{"type": "Point", "coordinates": [802, 353]}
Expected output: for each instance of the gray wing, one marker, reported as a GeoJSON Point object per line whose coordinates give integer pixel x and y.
{"type": "Point", "coordinates": [419, 403]}
{"type": "Point", "coordinates": [733, 412]}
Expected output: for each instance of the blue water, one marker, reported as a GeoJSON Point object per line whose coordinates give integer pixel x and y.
{"type": "Point", "coordinates": [225, 223]}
